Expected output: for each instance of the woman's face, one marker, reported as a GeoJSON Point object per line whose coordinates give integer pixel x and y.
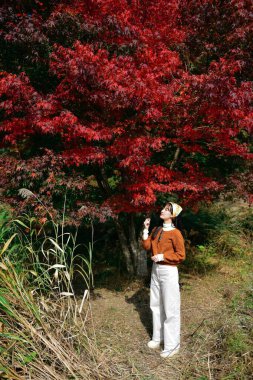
{"type": "Point", "coordinates": [166, 212]}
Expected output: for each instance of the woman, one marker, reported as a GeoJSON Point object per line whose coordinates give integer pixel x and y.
{"type": "Point", "coordinates": [167, 247]}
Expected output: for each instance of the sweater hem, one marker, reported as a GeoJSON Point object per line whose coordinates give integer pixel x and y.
{"type": "Point", "coordinates": [170, 264]}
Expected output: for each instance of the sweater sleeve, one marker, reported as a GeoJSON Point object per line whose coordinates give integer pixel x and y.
{"type": "Point", "coordinates": [147, 242]}
{"type": "Point", "coordinates": [178, 254]}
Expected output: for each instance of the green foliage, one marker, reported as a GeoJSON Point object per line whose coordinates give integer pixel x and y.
{"type": "Point", "coordinates": [221, 230]}
{"type": "Point", "coordinates": [237, 342]}
{"type": "Point", "coordinates": [5, 216]}
{"type": "Point", "coordinates": [199, 260]}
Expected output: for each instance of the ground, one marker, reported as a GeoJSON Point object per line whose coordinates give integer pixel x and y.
{"type": "Point", "coordinates": [122, 322]}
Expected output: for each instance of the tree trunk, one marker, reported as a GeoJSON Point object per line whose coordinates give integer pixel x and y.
{"type": "Point", "coordinates": [124, 246]}
{"type": "Point", "coordinates": [141, 267]}
{"type": "Point", "coordinates": [138, 253]}
{"type": "Point", "coordinates": [135, 257]}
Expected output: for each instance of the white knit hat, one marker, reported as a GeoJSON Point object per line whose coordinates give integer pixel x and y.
{"type": "Point", "coordinates": [176, 209]}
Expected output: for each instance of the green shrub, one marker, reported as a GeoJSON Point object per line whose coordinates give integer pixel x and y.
{"type": "Point", "coordinates": [222, 228]}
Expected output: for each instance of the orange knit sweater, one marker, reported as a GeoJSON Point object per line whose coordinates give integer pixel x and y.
{"type": "Point", "coordinates": [170, 243]}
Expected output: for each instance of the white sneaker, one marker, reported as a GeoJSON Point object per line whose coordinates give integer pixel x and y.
{"type": "Point", "coordinates": [153, 344]}
{"type": "Point", "coordinates": [169, 353]}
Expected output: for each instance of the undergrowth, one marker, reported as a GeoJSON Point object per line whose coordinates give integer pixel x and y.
{"type": "Point", "coordinates": [224, 230]}
{"type": "Point", "coordinates": [222, 346]}
{"type": "Point", "coordinates": [42, 321]}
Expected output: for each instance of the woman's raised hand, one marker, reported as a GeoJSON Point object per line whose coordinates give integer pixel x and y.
{"type": "Point", "coordinates": [147, 223]}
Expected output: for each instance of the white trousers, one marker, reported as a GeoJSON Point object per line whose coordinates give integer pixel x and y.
{"type": "Point", "coordinates": [165, 305]}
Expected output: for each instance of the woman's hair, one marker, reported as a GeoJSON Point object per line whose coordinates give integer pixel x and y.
{"type": "Point", "coordinates": [176, 220]}
{"type": "Point", "coordinates": [170, 207]}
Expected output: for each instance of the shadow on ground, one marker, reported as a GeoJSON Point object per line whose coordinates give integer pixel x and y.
{"type": "Point", "coordinates": [140, 299]}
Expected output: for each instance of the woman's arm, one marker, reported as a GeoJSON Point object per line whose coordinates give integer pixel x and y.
{"type": "Point", "coordinates": [146, 240]}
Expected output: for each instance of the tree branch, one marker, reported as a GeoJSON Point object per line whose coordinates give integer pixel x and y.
{"type": "Point", "coordinates": [175, 158]}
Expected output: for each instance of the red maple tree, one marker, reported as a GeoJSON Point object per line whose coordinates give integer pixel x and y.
{"type": "Point", "coordinates": [132, 99]}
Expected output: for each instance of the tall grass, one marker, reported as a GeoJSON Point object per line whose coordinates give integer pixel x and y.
{"type": "Point", "coordinates": [38, 341]}
{"type": "Point", "coordinates": [42, 321]}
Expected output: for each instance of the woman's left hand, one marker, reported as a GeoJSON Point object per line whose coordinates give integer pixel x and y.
{"type": "Point", "coordinates": [157, 258]}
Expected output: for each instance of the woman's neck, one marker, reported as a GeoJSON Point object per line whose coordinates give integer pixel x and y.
{"type": "Point", "coordinates": [168, 225]}
{"type": "Point", "coordinates": [167, 222]}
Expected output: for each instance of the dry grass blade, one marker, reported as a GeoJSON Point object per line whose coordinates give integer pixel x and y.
{"type": "Point", "coordinates": [7, 244]}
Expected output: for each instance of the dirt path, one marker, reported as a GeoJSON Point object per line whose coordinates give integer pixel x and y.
{"type": "Point", "coordinates": [123, 325]}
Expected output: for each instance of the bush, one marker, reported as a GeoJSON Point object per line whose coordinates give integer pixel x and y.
{"type": "Point", "coordinates": [221, 230]}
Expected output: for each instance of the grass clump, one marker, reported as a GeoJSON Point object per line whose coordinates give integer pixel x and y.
{"type": "Point", "coordinates": [43, 324]}
{"type": "Point", "coordinates": [237, 342]}
{"type": "Point", "coordinates": [43, 338]}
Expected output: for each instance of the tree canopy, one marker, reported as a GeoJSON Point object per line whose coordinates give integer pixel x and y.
{"type": "Point", "coordinates": [124, 101]}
